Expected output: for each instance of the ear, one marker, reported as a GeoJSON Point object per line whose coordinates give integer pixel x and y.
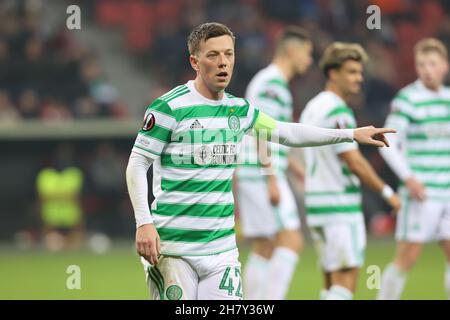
{"type": "Point", "coordinates": [194, 62]}
{"type": "Point", "coordinates": [332, 74]}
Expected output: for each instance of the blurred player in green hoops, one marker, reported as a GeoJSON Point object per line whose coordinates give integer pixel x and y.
{"type": "Point", "coordinates": [420, 157]}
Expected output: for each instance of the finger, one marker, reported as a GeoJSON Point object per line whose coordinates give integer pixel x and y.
{"type": "Point", "coordinates": [385, 130]}
{"type": "Point", "coordinates": [376, 143]}
{"type": "Point", "coordinates": [154, 255]}
{"type": "Point", "coordinates": [158, 246]}
{"type": "Point", "coordinates": [382, 138]}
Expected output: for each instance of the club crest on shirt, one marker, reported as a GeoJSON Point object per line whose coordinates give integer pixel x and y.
{"type": "Point", "coordinates": [233, 122]}
{"type": "Point", "coordinates": [149, 122]}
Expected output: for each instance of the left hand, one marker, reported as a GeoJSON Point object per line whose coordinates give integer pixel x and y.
{"type": "Point", "coordinates": [372, 136]}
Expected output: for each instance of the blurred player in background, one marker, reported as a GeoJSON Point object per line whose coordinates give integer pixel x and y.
{"type": "Point", "coordinates": [333, 175]}
{"type": "Point", "coordinates": [267, 205]}
{"type": "Point", "coordinates": [59, 189]}
{"type": "Point", "coordinates": [192, 136]}
{"type": "Point", "coordinates": [420, 157]}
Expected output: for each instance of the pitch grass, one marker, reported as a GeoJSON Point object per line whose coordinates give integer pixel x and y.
{"type": "Point", "coordinates": [119, 275]}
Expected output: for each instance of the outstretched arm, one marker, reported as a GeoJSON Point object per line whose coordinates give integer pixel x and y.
{"type": "Point", "coordinates": [301, 135]}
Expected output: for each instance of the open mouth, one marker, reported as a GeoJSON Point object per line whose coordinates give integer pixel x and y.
{"type": "Point", "coordinates": [222, 75]}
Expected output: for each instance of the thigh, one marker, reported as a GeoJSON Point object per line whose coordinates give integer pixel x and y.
{"type": "Point", "coordinates": [287, 212]}
{"type": "Point", "coordinates": [340, 246]}
{"type": "Point", "coordinates": [171, 279]}
{"type": "Point", "coordinates": [255, 210]}
{"type": "Point", "coordinates": [221, 279]}
{"type": "Point", "coordinates": [418, 221]}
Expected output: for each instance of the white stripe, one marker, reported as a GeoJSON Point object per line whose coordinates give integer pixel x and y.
{"type": "Point", "coordinates": [194, 223]}
{"type": "Point", "coordinates": [320, 219]}
{"type": "Point", "coordinates": [149, 143]}
{"type": "Point", "coordinates": [187, 148]}
{"type": "Point", "coordinates": [427, 160]}
{"type": "Point", "coordinates": [164, 120]}
{"type": "Point", "coordinates": [433, 177]}
{"type": "Point", "coordinates": [195, 198]}
{"type": "Point", "coordinates": [332, 200]}
{"type": "Point", "coordinates": [197, 248]}
{"type": "Point", "coordinates": [403, 106]}
{"type": "Point", "coordinates": [434, 145]}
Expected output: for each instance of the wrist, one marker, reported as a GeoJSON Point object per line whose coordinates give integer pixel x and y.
{"type": "Point", "coordinates": [387, 192]}
{"type": "Point", "coordinates": [144, 221]}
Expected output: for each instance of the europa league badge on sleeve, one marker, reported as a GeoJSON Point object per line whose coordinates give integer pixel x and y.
{"type": "Point", "coordinates": [149, 122]}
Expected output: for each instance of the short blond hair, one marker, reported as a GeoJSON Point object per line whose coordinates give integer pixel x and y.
{"type": "Point", "coordinates": [431, 45]}
{"type": "Point", "coordinates": [339, 52]}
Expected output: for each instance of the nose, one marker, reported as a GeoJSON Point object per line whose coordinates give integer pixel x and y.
{"type": "Point", "coordinates": [222, 61]}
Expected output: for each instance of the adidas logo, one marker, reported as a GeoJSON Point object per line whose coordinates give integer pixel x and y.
{"type": "Point", "coordinates": [196, 125]}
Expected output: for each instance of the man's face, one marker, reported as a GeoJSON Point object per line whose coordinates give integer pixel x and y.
{"type": "Point", "coordinates": [300, 53]}
{"type": "Point", "coordinates": [214, 62]}
{"type": "Point", "coordinates": [431, 68]}
{"type": "Point", "coordinates": [349, 77]}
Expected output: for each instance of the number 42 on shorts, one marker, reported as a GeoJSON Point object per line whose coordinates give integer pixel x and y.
{"type": "Point", "coordinates": [227, 282]}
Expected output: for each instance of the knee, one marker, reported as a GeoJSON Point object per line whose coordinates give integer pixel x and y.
{"type": "Point", "coordinates": [291, 239]}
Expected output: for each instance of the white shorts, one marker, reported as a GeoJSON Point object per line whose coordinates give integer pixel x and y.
{"type": "Point", "coordinates": [423, 221]}
{"type": "Point", "coordinates": [214, 277]}
{"type": "Point", "coordinates": [259, 218]}
{"type": "Point", "coordinates": [340, 245]}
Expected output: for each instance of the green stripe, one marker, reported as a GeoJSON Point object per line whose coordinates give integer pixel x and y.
{"type": "Point", "coordinates": [431, 169]}
{"type": "Point", "coordinates": [402, 114]}
{"type": "Point", "coordinates": [161, 106]}
{"type": "Point", "coordinates": [437, 185]}
{"type": "Point", "coordinates": [334, 209]}
{"type": "Point", "coordinates": [348, 190]}
{"type": "Point", "coordinates": [439, 153]}
{"type": "Point", "coordinates": [195, 210]}
{"type": "Point", "coordinates": [145, 149]}
{"type": "Point", "coordinates": [210, 111]}
{"type": "Point", "coordinates": [174, 92]}
{"type": "Point", "coordinates": [188, 162]}
{"type": "Point", "coordinates": [426, 103]}
{"type": "Point", "coordinates": [181, 93]}
{"type": "Point", "coordinates": [279, 82]}
{"type": "Point", "coordinates": [158, 132]}
{"type": "Point", "coordinates": [346, 171]}
{"type": "Point", "coordinates": [340, 110]}
{"type": "Point", "coordinates": [431, 119]}
{"type": "Point", "coordinates": [189, 235]}
{"type": "Point", "coordinates": [402, 97]}
{"type": "Point", "coordinates": [196, 185]}
{"type": "Point", "coordinates": [157, 281]}
{"type": "Point", "coordinates": [275, 99]}
{"type": "Point", "coordinates": [208, 136]}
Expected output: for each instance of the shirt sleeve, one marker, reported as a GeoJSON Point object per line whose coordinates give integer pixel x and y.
{"type": "Point", "coordinates": [156, 132]}
{"type": "Point", "coordinates": [400, 115]}
{"type": "Point", "coordinates": [342, 118]}
{"type": "Point", "coordinates": [252, 116]}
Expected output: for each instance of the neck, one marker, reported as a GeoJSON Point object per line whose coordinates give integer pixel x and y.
{"type": "Point", "coordinates": [203, 89]}
{"type": "Point", "coordinates": [333, 88]}
{"type": "Point", "coordinates": [432, 88]}
{"type": "Point", "coordinates": [285, 67]}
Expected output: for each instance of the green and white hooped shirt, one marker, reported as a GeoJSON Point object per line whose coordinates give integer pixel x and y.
{"type": "Point", "coordinates": [195, 143]}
